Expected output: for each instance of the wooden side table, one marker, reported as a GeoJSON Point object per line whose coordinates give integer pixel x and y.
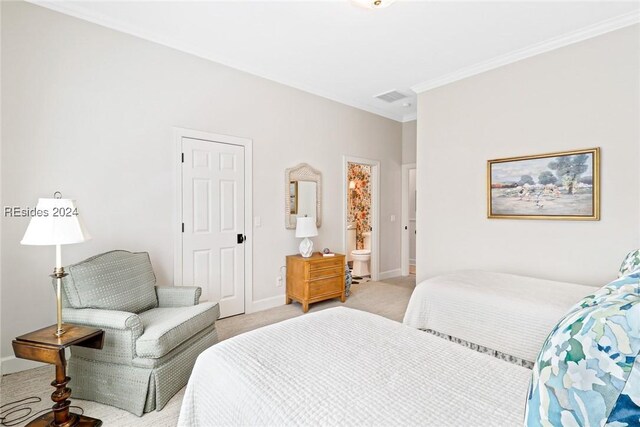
{"type": "Point", "coordinates": [314, 279]}
{"type": "Point", "coordinates": [44, 346]}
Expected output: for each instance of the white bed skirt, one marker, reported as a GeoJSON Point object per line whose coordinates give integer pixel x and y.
{"type": "Point", "coordinates": [503, 312]}
{"type": "Point", "coordinates": [346, 367]}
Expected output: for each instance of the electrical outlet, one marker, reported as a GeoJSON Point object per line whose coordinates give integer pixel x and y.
{"type": "Point", "coordinates": [279, 281]}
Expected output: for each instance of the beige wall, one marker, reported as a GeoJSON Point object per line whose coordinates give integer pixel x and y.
{"type": "Point", "coordinates": [409, 140]}
{"type": "Point", "coordinates": [583, 95]}
{"type": "Point", "coordinates": [89, 112]}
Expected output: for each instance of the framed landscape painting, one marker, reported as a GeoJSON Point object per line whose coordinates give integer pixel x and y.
{"type": "Point", "coordinates": [563, 185]}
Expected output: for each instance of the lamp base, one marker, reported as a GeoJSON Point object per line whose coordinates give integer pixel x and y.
{"type": "Point", "coordinates": [306, 248]}
{"type": "Point", "coordinates": [58, 274]}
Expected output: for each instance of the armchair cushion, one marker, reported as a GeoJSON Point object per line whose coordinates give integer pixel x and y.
{"type": "Point", "coordinates": [178, 296]}
{"type": "Point", "coordinates": [116, 280]}
{"type": "Point", "coordinates": [166, 328]}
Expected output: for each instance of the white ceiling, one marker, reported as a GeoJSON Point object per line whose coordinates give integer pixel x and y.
{"type": "Point", "coordinates": [349, 54]}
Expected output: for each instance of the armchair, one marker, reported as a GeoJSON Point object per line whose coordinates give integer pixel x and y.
{"type": "Point", "coordinates": [153, 335]}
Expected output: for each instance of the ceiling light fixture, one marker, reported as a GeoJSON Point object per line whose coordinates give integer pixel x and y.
{"type": "Point", "coordinates": [373, 4]}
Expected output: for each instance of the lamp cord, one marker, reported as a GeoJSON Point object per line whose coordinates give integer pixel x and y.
{"type": "Point", "coordinates": [20, 411]}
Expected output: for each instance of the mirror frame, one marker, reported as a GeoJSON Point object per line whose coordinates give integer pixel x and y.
{"type": "Point", "coordinates": [301, 172]}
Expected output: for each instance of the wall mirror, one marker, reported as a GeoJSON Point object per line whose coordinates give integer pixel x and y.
{"type": "Point", "coordinates": [303, 190]}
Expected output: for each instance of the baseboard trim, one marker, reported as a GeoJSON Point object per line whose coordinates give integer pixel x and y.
{"type": "Point", "coordinates": [11, 365]}
{"type": "Point", "coordinates": [396, 272]}
{"type": "Point", "coordinates": [265, 304]}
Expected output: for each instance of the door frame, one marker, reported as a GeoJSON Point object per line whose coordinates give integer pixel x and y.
{"type": "Point", "coordinates": [375, 209]}
{"type": "Point", "coordinates": [404, 249]}
{"type": "Point", "coordinates": [178, 134]}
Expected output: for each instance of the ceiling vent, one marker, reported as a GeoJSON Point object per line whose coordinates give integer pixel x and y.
{"type": "Point", "coordinates": [392, 96]}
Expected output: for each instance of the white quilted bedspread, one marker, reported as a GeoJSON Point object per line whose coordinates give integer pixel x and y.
{"type": "Point", "coordinates": [504, 312]}
{"type": "Point", "coordinates": [347, 367]}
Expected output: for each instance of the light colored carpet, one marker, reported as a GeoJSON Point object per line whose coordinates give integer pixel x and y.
{"type": "Point", "coordinates": [388, 299]}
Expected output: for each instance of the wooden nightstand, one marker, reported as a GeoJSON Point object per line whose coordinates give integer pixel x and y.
{"type": "Point", "coordinates": [314, 279]}
{"type": "Point", "coordinates": [43, 346]}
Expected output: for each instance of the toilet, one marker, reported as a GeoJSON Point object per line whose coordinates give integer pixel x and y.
{"type": "Point", "coordinates": [362, 258]}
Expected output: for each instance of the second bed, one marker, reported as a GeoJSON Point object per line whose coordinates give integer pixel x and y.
{"type": "Point", "coordinates": [506, 315]}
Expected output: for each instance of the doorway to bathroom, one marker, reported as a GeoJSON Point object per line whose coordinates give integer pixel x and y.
{"type": "Point", "coordinates": [361, 232]}
{"type": "Point", "coordinates": [409, 233]}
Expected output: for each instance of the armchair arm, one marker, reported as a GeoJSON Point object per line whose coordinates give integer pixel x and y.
{"type": "Point", "coordinates": [178, 296]}
{"type": "Point", "coordinates": [122, 329]}
{"type": "Point", "coordinates": [102, 318]}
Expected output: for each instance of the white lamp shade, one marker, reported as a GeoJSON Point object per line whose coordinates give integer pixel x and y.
{"type": "Point", "coordinates": [62, 229]}
{"type": "Point", "coordinates": [306, 227]}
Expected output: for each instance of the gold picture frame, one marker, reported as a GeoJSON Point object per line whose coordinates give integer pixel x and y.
{"type": "Point", "coordinates": [554, 186]}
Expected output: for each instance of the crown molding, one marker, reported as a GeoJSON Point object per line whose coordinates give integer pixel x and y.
{"type": "Point", "coordinates": [103, 21]}
{"type": "Point", "coordinates": [585, 33]}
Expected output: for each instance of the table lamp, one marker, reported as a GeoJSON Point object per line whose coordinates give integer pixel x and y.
{"type": "Point", "coordinates": [306, 227]}
{"type": "Point", "coordinates": [56, 222]}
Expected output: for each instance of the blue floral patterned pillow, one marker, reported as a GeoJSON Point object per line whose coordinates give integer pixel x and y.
{"type": "Point", "coordinates": [588, 371]}
{"type": "Point", "coordinates": [631, 263]}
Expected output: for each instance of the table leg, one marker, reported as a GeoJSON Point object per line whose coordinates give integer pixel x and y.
{"type": "Point", "coordinates": [60, 416]}
{"type": "Point", "coordinates": [61, 413]}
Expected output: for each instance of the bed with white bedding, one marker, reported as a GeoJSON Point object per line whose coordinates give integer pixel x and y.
{"type": "Point", "coordinates": [508, 314]}
{"type": "Point", "coordinates": [347, 367]}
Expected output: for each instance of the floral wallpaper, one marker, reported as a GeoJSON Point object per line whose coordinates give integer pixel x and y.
{"type": "Point", "coordinates": [360, 200]}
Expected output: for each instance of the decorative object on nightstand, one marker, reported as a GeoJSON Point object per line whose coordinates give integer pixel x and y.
{"type": "Point", "coordinates": [45, 345]}
{"type": "Point", "coordinates": [306, 227]}
{"type": "Point", "coordinates": [58, 225]}
{"type": "Point", "coordinates": [315, 278]}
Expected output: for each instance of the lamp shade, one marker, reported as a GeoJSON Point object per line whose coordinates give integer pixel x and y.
{"type": "Point", "coordinates": [56, 222]}
{"type": "Point", "coordinates": [306, 227]}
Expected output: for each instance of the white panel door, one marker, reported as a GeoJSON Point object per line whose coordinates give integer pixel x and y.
{"type": "Point", "coordinates": [213, 218]}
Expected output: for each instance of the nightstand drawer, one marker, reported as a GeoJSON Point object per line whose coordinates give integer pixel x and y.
{"type": "Point", "coordinates": [325, 262]}
{"type": "Point", "coordinates": [326, 272]}
{"type": "Point", "coordinates": [325, 286]}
